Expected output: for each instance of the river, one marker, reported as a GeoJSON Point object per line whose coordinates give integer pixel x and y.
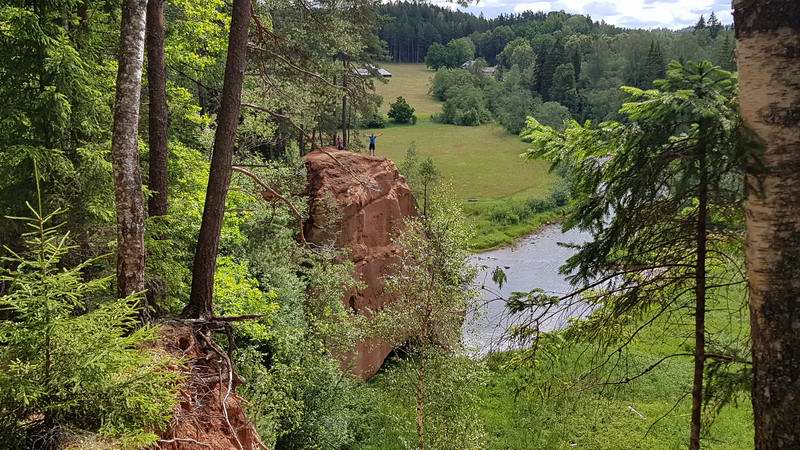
{"type": "Point", "coordinates": [532, 262]}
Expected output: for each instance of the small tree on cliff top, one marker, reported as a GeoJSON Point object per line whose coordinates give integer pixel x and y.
{"type": "Point", "coordinates": [661, 195]}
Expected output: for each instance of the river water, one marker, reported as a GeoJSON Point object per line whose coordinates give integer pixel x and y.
{"type": "Point", "coordinates": [532, 262]}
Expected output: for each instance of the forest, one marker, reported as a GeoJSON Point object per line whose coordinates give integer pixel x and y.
{"type": "Point", "coordinates": [197, 249]}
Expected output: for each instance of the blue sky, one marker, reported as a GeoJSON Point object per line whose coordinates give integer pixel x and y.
{"type": "Point", "coordinates": [625, 13]}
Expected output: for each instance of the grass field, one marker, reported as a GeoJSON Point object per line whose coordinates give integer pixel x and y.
{"type": "Point", "coordinates": [410, 81]}
{"type": "Point", "coordinates": [482, 163]}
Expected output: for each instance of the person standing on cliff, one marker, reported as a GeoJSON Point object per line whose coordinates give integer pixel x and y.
{"type": "Point", "coordinates": [372, 139]}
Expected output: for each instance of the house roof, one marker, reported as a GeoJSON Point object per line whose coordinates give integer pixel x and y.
{"type": "Point", "coordinates": [369, 70]}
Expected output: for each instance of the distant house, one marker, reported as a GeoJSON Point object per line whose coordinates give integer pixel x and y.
{"type": "Point", "coordinates": [486, 71]}
{"type": "Point", "coordinates": [369, 70]}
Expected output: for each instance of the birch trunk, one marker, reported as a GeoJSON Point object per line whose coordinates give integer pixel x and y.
{"type": "Point", "coordinates": [768, 53]}
{"type": "Point", "coordinates": [125, 153]}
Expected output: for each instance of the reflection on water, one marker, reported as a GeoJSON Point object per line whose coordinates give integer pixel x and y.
{"type": "Point", "coordinates": [531, 263]}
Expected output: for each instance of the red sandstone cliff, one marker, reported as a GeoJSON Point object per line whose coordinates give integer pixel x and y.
{"type": "Point", "coordinates": [372, 199]}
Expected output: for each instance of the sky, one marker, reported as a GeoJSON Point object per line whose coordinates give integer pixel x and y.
{"type": "Point", "coordinates": [624, 13]}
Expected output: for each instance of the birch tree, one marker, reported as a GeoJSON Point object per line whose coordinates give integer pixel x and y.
{"type": "Point", "coordinates": [768, 55]}
{"type": "Point", "coordinates": [125, 153]}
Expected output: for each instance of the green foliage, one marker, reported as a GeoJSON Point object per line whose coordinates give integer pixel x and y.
{"type": "Point", "coordinates": [638, 186]}
{"type": "Point", "coordinates": [57, 86]}
{"type": "Point", "coordinates": [563, 89]}
{"type": "Point", "coordinates": [453, 410]}
{"type": "Point", "coordinates": [460, 51]}
{"type": "Point", "coordinates": [556, 401]}
{"type": "Point", "coordinates": [71, 364]}
{"type": "Point", "coordinates": [400, 111]}
{"type": "Point", "coordinates": [512, 109]}
{"type": "Point", "coordinates": [375, 120]}
{"type": "Point", "coordinates": [552, 114]}
{"type": "Point", "coordinates": [428, 285]}
{"type": "Point", "coordinates": [446, 80]}
{"type": "Point", "coordinates": [456, 53]}
{"type": "Point", "coordinates": [437, 56]}
{"type": "Point", "coordinates": [465, 105]}
{"type": "Point", "coordinates": [515, 213]}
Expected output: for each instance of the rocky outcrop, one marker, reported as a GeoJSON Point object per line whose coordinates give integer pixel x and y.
{"type": "Point", "coordinates": [371, 199]}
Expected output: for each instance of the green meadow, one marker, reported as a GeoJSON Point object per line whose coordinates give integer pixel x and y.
{"type": "Point", "coordinates": [482, 163]}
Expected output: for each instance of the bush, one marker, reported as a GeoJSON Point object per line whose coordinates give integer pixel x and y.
{"type": "Point", "coordinates": [561, 195]}
{"type": "Point", "coordinates": [535, 205]}
{"type": "Point", "coordinates": [70, 363]}
{"type": "Point", "coordinates": [447, 79]}
{"type": "Point", "coordinates": [504, 216]}
{"type": "Point", "coordinates": [520, 212]}
{"type": "Point", "coordinates": [400, 111]}
{"type": "Point", "coordinates": [465, 105]}
{"type": "Point", "coordinates": [376, 120]}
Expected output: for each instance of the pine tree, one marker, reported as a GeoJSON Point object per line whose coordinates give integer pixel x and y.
{"type": "Point", "coordinates": [71, 362]}
{"type": "Point", "coordinates": [576, 63]}
{"type": "Point", "coordinates": [714, 25]}
{"type": "Point", "coordinates": [205, 259]}
{"type": "Point", "coordinates": [701, 24]}
{"type": "Point", "coordinates": [654, 66]}
{"type": "Point", "coordinates": [546, 69]}
{"type": "Point", "coordinates": [664, 183]}
{"type": "Point", "coordinates": [563, 90]}
{"type": "Point", "coordinates": [726, 56]}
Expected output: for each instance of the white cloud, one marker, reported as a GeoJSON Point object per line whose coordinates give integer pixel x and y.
{"type": "Point", "coordinates": [627, 13]}
{"type": "Point", "coordinates": [534, 6]}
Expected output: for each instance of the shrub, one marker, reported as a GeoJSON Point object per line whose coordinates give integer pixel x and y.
{"type": "Point", "coordinates": [400, 111]}
{"type": "Point", "coordinates": [512, 214]}
{"type": "Point", "coordinates": [535, 205]}
{"type": "Point", "coordinates": [376, 120]}
{"type": "Point", "coordinates": [561, 195]}
{"type": "Point", "coordinates": [465, 105]}
{"type": "Point", "coordinates": [447, 79]}
{"type": "Point", "coordinates": [504, 216]}
{"type": "Point", "coordinates": [69, 363]}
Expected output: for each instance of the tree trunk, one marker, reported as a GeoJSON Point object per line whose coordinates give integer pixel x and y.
{"type": "Point", "coordinates": [344, 104]}
{"type": "Point", "coordinates": [768, 52]}
{"type": "Point", "coordinates": [157, 118]}
{"type": "Point", "coordinates": [700, 304]}
{"type": "Point", "coordinates": [125, 153]}
{"type": "Point", "coordinates": [420, 400]}
{"type": "Point", "coordinates": [200, 301]}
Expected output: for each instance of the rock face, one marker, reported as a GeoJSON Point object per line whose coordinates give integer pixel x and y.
{"type": "Point", "coordinates": [372, 199]}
